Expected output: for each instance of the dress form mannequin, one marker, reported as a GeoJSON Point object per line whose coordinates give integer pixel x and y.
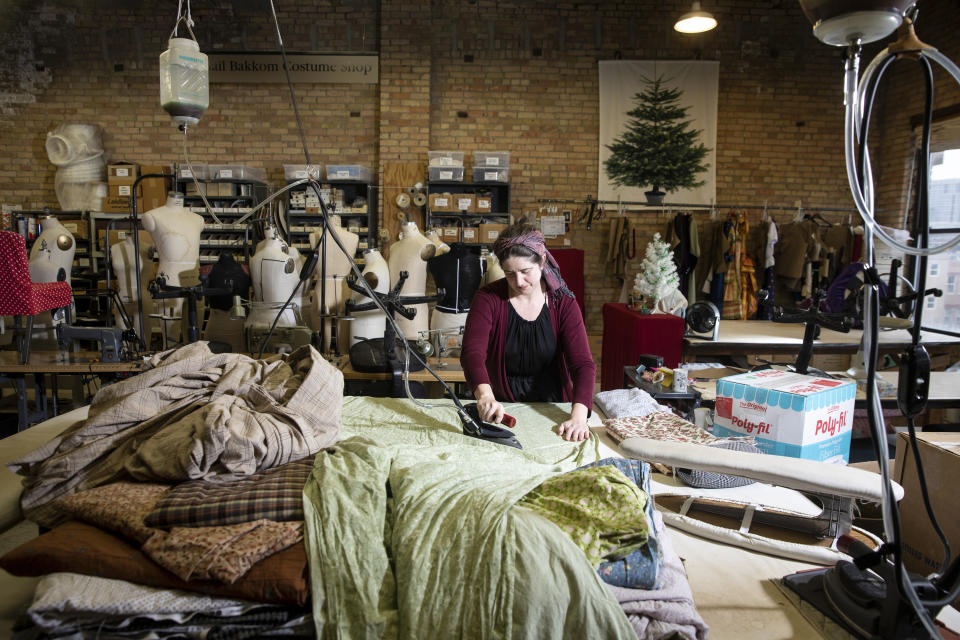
{"type": "Point", "coordinates": [45, 267]}
{"type": "Point", "coordinates": [330, 294]}
{"type": "Point", "coordinates": [226, 274]}
{"type": "Point", "coordinates": [410, 253]}
{"type": "Point", "coordinates": [125, 270]}
{"type": "Point", "coordinates": [59, 243]}
{"type": "Point", "coordinates": [459, 273]}
{"type": "Point", "coordinates": [274, 274]}
{"type": "Point", "coordinates": [494, 272]}
{"type": "Point", "coordinates": [370, 324]}
{"type": "Point", "coordinates": [434, 236]}
{"type": "Point", "coordinates": [176, 233]}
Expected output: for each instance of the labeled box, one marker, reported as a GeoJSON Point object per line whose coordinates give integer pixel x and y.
{"type": "Point", "coordinates": [121, 173]}
{"type": "Point", "coordinates": [471, 235]}
{"type": "Point", "coordinates": [441, 202]}
{"type": "Point", "coordinates": [445, 159]}
{"type": "Point", "coordinates": [490, 174]}
{"type": "Point", "coordinates": [940, 454]}
{"type": "Point", "coordinates": [484, 204]}
{"type": "Point", "coordinates": [491, 159]}
{"type": "Point", "coordinates": [489, 232]}
{"type": "Point", "coordinates": [115, 205]}
{"type": "Point", "coordinates": [445, 174]}
{"type": "Point", "coordinates": [450, 234]}
{"type": "Point", "coordinates": [465, 202]}
{"type": "Point", "coordinates": [790, 414]}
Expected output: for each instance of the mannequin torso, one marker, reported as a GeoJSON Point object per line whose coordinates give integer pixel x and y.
{"type": "Point", "coordinates": [370, 324]}
{"type": "Point", "coordinates": [60, 248]}
{"type": "Point", "coordinates": [410, 254]}
{"type": "Point", "coordinates": [330, 292]}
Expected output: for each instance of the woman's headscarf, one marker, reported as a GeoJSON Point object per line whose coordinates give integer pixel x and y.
{"type": "Point", "coordinates": [534, 241]}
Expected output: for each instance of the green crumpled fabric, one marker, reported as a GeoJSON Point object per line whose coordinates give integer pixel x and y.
{"type": "Point", "coordinates": [449, 555]}
{"type": "Point", "coordinates": [600, 508]}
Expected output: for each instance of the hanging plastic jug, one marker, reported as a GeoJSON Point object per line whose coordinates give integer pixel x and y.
{"type": "Point", "coordinates": [184, 81]}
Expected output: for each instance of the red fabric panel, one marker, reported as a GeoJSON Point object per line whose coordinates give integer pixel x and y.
{"type": "Point", "coordinates": [627, 334]}
{"type": "Point", "coordinates": [570, 262]}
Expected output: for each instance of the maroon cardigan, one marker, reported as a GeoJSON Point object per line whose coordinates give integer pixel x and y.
{"type": "Point", "coordinates": [485, 336]}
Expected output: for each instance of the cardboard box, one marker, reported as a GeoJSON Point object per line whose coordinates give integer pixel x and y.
{"type": "Point", "coordinates": [471, 235]}
{"type": "Point", "coordinates": [489, 232]}
{"type": "Point", "coordinates": [115, 205]}
{"type": "Point", "coordinates": [154, 190]}
{"type": "Point", "coordinates": [441, 202]}
{"type": "Point", "coordinates": [465, 202]}
{"type": "Point", "coordinates": [80, 229]}
{"type": "Point", "coordinates": [121, 173]}
{"type": "Point", "coordinates": [790, 414]}
{"type": "Point", "coordinates": [940, 453]}
{"type": "Point", "coordinates": [123, 191]}
{"type": "Point", "coordinates": [450, 234]}
{"type": "Point", "coordinates": [484, 204]}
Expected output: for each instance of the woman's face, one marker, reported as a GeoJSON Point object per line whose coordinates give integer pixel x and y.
{"type": "Point", "coordinates": [523, 274]}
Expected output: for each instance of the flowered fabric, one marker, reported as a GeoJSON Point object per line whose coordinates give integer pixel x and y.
{"type": "Point", "coordinates": [661, 425]}
{"type": "Point", "coordinates": [641, 568]}
{"type": "Point", "coordinates": [119, 506]}
{"type": "Point", "coordinates": [600, 508]}
{"type": "Point", "coordinates": [220, 553]}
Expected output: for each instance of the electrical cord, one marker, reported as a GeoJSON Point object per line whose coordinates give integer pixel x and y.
{"type": "Point", "coordinates": [193, 174]}
{"type": "Point", "coordinates": [311, 263]}
{"type": "Point", "coordinates": [861, 182]}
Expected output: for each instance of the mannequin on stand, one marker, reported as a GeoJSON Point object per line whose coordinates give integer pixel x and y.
{"type": "Point", "coordinates": [125, 269]}
{"type": "Point", "coordinates": [274, 274]}
{"type": "Point", "coordinates": [176, 233]}
{"type": "Point", "coordinates": [410, 254]}
{"type": "Point", "coordinates": [434, 236]}
{"type": "Point", "coordinates": [370, 324]}
{"type": "Point", "coordinates": [459, 273]}
{"type": "Point", "coordinates": [51, 254]}
{"type": "Point", "coordinates": [331, 292]}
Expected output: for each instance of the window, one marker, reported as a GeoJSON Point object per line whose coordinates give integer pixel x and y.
{"type": "Point", "coordinates": [944, 189]}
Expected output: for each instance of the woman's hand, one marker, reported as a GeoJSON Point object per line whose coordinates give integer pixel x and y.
{"type": "Point", "coordinates": [487, 406]}
{"type": "Point", "coordinates": [575, 429]}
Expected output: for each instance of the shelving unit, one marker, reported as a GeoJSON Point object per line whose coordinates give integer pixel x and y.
{"type": "Point", "coordinates": [498, 194]}
{"type": "Point", "coordinates": [230, 200]}
{"type": "Point", "coordinates": [302, 219]}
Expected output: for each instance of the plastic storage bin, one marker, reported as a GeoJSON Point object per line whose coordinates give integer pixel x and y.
{"type": "Point", "coordinates": [301, 171]}
{"type": "Point", "coordinates": [445, 158]}
{"type": "Point", "coordinates": [449, 174]}
{"type": "Point", "coordinates": [489, 174]}
{"type": "Point", "coordinates": [235, 172]}
{"type": "Point", "coordinates": [348, 172]}
{"type": "Point", "coordinates": [491, 159]}
{"type": "Point", "coordinates": [199, 171]}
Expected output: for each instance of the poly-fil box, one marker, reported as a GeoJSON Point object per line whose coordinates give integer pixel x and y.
{"type": "Point", "coordinates": [789, 414]}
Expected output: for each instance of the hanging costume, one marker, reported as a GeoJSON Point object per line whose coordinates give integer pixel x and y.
{"type": "Point", "coordinates": [681, 234]}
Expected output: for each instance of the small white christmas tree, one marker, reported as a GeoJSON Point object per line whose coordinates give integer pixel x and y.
{"type": "Point", "coordinates": [657, 279]}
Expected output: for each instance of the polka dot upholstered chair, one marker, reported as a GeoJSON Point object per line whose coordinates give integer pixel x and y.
{"type": "Point", "coordinates": [19, 296]}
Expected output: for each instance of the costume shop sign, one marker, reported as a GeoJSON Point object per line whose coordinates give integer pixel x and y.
{"type": "Point", "coordinates": [789, 414]}
{"type": "Point", "coordinates": [248, 66]}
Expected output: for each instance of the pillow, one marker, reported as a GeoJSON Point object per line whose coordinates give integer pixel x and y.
{"type": "Point", "coordinates": [81, 548]}
{"type": "Point", "coordinates": [275, 494]}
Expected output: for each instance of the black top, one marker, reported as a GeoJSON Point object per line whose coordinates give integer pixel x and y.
{"type": "Point", "coordinates": [529, 355]}
{"type": "Point", "coordinates": [459, 273]}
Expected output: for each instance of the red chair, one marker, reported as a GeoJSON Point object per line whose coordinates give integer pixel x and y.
{"type": "Point", "coordinates": [19, 296]}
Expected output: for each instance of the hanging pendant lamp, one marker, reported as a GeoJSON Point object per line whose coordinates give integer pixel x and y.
{"type": "Point", "coordinates": [696, 21]}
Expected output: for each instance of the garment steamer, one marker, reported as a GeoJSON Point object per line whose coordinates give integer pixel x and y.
{"type": "Point", "coordinates": [875, 596]}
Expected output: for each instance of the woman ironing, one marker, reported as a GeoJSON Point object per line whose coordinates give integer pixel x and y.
{"type": "Point", "coordinates": [524, 339]}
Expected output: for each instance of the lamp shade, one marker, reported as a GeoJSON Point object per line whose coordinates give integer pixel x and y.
{"type": "Point", "coordinates": [696, 21]}
{"type": "Point", "coordinates": [842, 22]}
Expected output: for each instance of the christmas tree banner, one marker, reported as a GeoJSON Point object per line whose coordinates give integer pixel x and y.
{"type": "Point", "coordinates": [697, 82]}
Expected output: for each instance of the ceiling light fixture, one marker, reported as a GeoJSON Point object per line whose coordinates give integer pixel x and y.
{"type": "Point", "coordinates": [696, 21]}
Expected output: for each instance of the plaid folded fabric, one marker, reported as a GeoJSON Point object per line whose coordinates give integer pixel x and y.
{"type": "Point", "coordinates": [661, 425]}
{"type": "Point", "coordinates": [275, 494]}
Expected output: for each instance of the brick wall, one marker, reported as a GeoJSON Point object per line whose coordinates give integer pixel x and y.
{"type": "Point", "coordinates": [469, 75]}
